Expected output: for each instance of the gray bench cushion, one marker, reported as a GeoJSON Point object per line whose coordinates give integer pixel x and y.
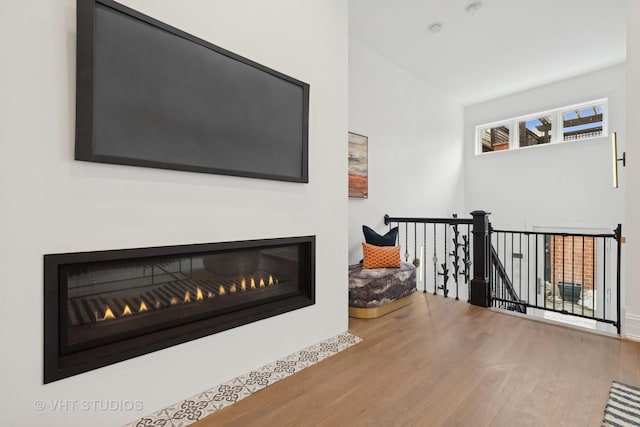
{"type": "Point", "coordinates": [379, 286]}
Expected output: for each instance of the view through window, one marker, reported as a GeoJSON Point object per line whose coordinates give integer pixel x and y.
{"type": "Point", "coordinates": [566, 124]}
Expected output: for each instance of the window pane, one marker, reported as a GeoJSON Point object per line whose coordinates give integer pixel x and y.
{"type": "Point", "coordinates": [496, 138]}
{"type": "Point", "coordinates": [582, 123]}
{"type": "Point", "coordinates": [535, 131]}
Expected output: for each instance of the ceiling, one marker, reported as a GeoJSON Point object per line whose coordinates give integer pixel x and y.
{"type": "Point", "coordinates": [505, 47]}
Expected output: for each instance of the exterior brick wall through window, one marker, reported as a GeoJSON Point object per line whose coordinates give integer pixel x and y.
{"type": "Point", "coordinates": [573, 260]}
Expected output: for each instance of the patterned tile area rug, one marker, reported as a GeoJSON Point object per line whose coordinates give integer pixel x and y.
{"type": "Point", "coordinates": [623, 407]}
{"type": "Point", "coordinates": [206, 403]}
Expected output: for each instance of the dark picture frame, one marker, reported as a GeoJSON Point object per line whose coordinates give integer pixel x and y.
{"type": "Point", "coordinates": [151, 95]}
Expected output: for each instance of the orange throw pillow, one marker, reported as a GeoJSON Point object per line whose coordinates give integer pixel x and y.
{"type": "Point", "coordinates": [380, 256]}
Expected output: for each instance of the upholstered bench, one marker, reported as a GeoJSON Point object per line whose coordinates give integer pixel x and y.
{"type": "Point", "coordinates": [378, 291]}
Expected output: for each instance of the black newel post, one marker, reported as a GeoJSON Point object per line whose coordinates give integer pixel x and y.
{"type": "Point", "coordinates": [481, 241]}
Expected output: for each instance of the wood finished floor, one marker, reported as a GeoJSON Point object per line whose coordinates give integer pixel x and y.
{"type": "Point", "coordinates": [440, 362]}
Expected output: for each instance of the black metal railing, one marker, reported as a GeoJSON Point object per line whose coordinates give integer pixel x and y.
{"type": "Point", "coordinates": [574, 274]}
{"type": "Point", "coordinates": [440, 248]}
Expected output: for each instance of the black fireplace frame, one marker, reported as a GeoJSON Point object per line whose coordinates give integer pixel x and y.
{"type": "Point", "coordinates": [58, 366]}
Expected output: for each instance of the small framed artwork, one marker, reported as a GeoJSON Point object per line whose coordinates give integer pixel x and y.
{"type": "Point", "coordinates": [358, 166]}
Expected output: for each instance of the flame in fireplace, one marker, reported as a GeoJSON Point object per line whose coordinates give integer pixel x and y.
{"type": "Point", "coordinates": [199, 295]}
{"type": "Point", "coordinates": [108, 314]}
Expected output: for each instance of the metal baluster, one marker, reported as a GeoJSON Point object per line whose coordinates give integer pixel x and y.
{"type": "Point", "coordinates": [584, 281]}
{"type": "Point", "coordinates": [528, 268]}
{"type": "Point", "coordinates": [467, 262]}
{"type": "Point", "coordinates": [416, 256]}
{"type": "Point", "coordinates": [504, 250]}
{"type": "Point", "coordinates": [520, 265]}
{"type": "Point", "coordinates": [604, 277]}
{"type": "Point", "coordinates": [445, 267]}
{"type": "Point", "coordinates": [456, 258]}
{"type": "Point", "coordinates": [445, 270]}
{"type": "Point", "coordinates": [494, 270]}
{"type": "Point", "coordinates": [496, 275]}
{"type": "Point", "coordinates": [618, 234]}
{"type": "Point", "coordinates": [512, 247]}
{"type": "Point", "coordinates": [562, 293]}
{"type": "Point", "coordinates": [454, 254]}
{"type": "Point", "coordinates": [424, 264]}
{"type": "Point", "coordinates": [536, 267]}
{"type": "Point", "coordinates": [435, 262]}
{"type": "Point", "coordinates": [503, 260]}
{"type": "Point", "coordinates": [573, 272]}
{"type": "Point", "coordinates": [499, 277]}
{"type": "Point", "coordinates": [406, 242]}
{"type": "Point", "coordinates": [594, 277]}
{"type": "Point", "coordinates": [416, 261]}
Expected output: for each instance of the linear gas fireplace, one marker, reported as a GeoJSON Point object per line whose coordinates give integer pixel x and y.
{"type": "Point", "coordinates": [107, 306]}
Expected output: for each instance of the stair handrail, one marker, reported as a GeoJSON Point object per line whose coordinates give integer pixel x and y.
{"type": "Point", "coordinates": [519, 305]}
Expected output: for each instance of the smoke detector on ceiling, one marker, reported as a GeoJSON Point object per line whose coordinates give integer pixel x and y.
{"type": "Point", "coordinates": [435, 27]}
{"type": "Point", "coordinates": [474, 7]}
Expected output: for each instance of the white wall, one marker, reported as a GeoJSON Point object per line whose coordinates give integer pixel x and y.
{"type": "Point", "coordinates": [53, 204]}
{"type": "Point", "coordinates": [549, 185]}
{"type": "Point", "coordinates": [415, 145]}
{"type": "Point", "coordinates": [632, 171]}
{"type": "Point", "coordinates": [556, 186]}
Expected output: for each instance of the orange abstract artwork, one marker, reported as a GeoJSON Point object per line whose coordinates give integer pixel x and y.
{"type": "Point", "coordinates": [358, 166]}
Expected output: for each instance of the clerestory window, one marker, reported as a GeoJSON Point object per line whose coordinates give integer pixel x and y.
{"type": "Point", "coordinates": [566, 124]}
